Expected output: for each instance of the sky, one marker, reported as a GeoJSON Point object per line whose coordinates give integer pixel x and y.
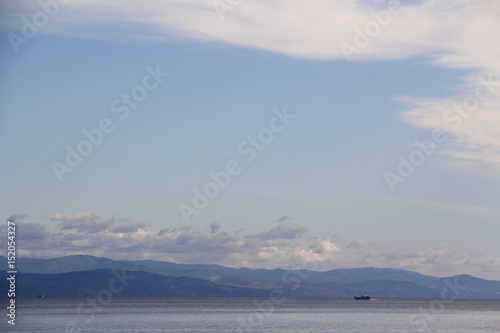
{"type": "Point", "coordinates": [263, 134]}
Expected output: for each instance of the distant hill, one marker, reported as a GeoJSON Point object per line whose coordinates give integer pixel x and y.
{"type": "Point", "coordinates": [63, 264]}
{"type": "Point", "coordinates": [354, 275]}
{"type": "Point", "coordinates": [378, 282]}
{"type": "Point", "coordinates": [392, 289]}
{"type": "Point", "coordinates": [139, 284]}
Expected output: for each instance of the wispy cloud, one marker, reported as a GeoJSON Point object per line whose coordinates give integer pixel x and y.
{"type": "Point", "coordinates": [453, 32]}
{"type": "Point", "coordinates": [471, 120]}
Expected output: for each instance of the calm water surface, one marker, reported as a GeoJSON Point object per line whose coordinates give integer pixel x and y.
{"type": "Point", "coordinates": [255, 315]}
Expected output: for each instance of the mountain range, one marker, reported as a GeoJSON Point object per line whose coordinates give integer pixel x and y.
{"type": "Point", "coordinates": [83, 276]}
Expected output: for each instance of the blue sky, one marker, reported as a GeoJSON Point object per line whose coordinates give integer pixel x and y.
{"type": "Point", "coordinates": [317, 192]}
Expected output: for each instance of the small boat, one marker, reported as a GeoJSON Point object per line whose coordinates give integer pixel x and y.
{"type": "Point", "coordinates": [363, 297]}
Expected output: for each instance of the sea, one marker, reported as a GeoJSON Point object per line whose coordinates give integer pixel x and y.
{"type": "Point", "coordinates": [273, 314]}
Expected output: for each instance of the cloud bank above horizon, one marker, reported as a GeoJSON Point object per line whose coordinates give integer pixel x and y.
{"type": "Point", "coordinates": [285, 245]}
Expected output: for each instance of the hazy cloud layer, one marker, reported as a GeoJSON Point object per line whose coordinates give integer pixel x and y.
{"type": "Point", "coordinates": [357, 244]}
{"type": "Point", "coordinates": [285, 245]}
{"type": "Point", "coordinates": [284, 230]}
{"type": "Point", "coordinates": [83, 222]}
{"type": "Point", "coordinates": [127, 227]}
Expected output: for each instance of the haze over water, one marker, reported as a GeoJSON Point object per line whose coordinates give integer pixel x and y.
{"type": "Point", "coordinates": [222, 315]}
